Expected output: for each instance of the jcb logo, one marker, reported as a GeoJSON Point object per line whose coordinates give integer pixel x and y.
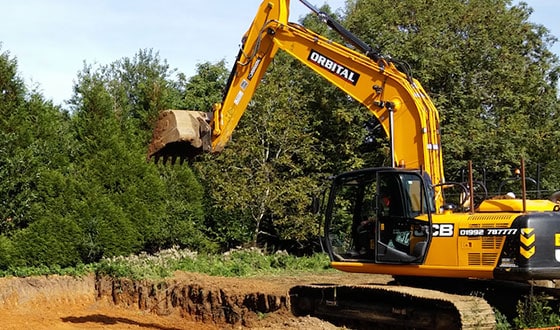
{"type": "Point", "coordinates": [443, 230]}
{"type": "Point", "coordinates": [439, 230]}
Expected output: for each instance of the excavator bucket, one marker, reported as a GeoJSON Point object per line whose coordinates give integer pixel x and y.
{"type": "Point", "coordinates": [180, 134]}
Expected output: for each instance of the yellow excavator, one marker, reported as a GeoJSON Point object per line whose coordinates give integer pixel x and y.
{"type": "Point", "coordinates": [389, 220]}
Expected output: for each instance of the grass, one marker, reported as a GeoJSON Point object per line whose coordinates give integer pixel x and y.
{"type": "Point", "coordinates": [238, 262]}
{"type": "Point", "coordinates": [79, 270]}
{"type": "Point", "coordinates": [235, 263]}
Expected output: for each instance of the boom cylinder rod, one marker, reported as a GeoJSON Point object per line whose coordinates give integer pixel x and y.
{"type": "Point", "coordinates": [523, 186]}
{"type": "Point", "coordinates": [471, 188]}
{"type": "Point", "coordinates": [391, 110]}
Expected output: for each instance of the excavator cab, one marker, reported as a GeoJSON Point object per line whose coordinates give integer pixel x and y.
{"type": "Point", "coordinates": [379, 215]}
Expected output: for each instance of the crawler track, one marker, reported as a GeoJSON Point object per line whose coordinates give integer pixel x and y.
{"type": "Point", "coordinates": [503, 295]}
{"type": "Point", "coordinates": [394, 307]}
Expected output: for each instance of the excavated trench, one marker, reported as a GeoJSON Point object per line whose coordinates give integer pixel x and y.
{"type": "Point", "coordinates": [194, 301]}
{"type": "Point", "coordinates": [185, 301]}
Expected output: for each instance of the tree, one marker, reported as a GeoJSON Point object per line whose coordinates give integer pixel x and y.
{"type": "Point", "coordinates": [496, 92]}
{"type": "Point", "coordinates": [205, 88]}
{"type": "Point", "coordinates": [77, 186]}
{"type": "Point", "coordinates": [261, 184]}
{"type": "Point", "coordinates": [34, 142]}
{"type": "Point", "coordinates": [31, 135]}
{"type": "Point", "coordinates": [123, 204]}
{"type": "Point", "coordinates": [139, 87]}
{"type": "Point", "coordinates": [12, 87]}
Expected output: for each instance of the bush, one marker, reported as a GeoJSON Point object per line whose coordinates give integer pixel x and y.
{"type": "Point", "coordinates": [534, 312]}
{"type": "Point", "coordinates": [6, 252]}
{"type": "Point", "coordinates": [48, 241]}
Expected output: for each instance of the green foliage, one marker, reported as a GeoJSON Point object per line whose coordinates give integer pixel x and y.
{"type": "Point", "coordinates": [502, 322]}
{"type": "Point", "coordinates": [496, 92]}
{"type": "Point", "coordinates": [6, 252]}
{"type": "Point", "coordinates": [164, 263]}
{"type": "Point", "coordinates": [76, 187]}
{"type": "Point", "coordinates": [534, 312]}
{"type": "Point", "coordinates": [48, 241]}
{"type": "Point", "coordinates": [181, 221]}
{"type": "Point", "coordinates": [269, 195]}
{"type": "Point", "coordinates": [11, 85]}
{"type": "Point", "coordinates": [205, 88]}
{"type": "Point", "coordinates": [239, 262]}
{"type": "Point", "coordinates": [78, 270]}
{"type": "Point", "coordinates": [137, 89]}
{"type": "Point", "coordinates": [129, 205]}
{"type": "Point", "coordinates": [31, 133]}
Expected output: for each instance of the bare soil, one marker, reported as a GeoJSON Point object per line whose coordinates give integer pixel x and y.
{"type": "Point", "coordinates": [186, 301]}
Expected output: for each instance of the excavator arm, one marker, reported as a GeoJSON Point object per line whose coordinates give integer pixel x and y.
{"type": "Point", "coordinates": [397, 100]}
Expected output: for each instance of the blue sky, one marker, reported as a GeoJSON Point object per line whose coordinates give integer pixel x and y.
{"type": "Point", "coordinates": [51, 39]}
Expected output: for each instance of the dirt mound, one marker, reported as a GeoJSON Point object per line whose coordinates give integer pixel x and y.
{"type": "Point", "coordinates": [186, 301]}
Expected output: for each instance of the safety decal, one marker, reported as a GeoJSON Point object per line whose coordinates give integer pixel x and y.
{"type": "Point", "coordinates": [557, 245]}
{"type": "Point", "coordinates": [527, 242]}
{"type": "Point", "coordinates": [254, 68]}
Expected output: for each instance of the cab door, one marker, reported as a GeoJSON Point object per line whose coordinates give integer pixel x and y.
{"type": "Point", "coordinates": [404, 217]}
